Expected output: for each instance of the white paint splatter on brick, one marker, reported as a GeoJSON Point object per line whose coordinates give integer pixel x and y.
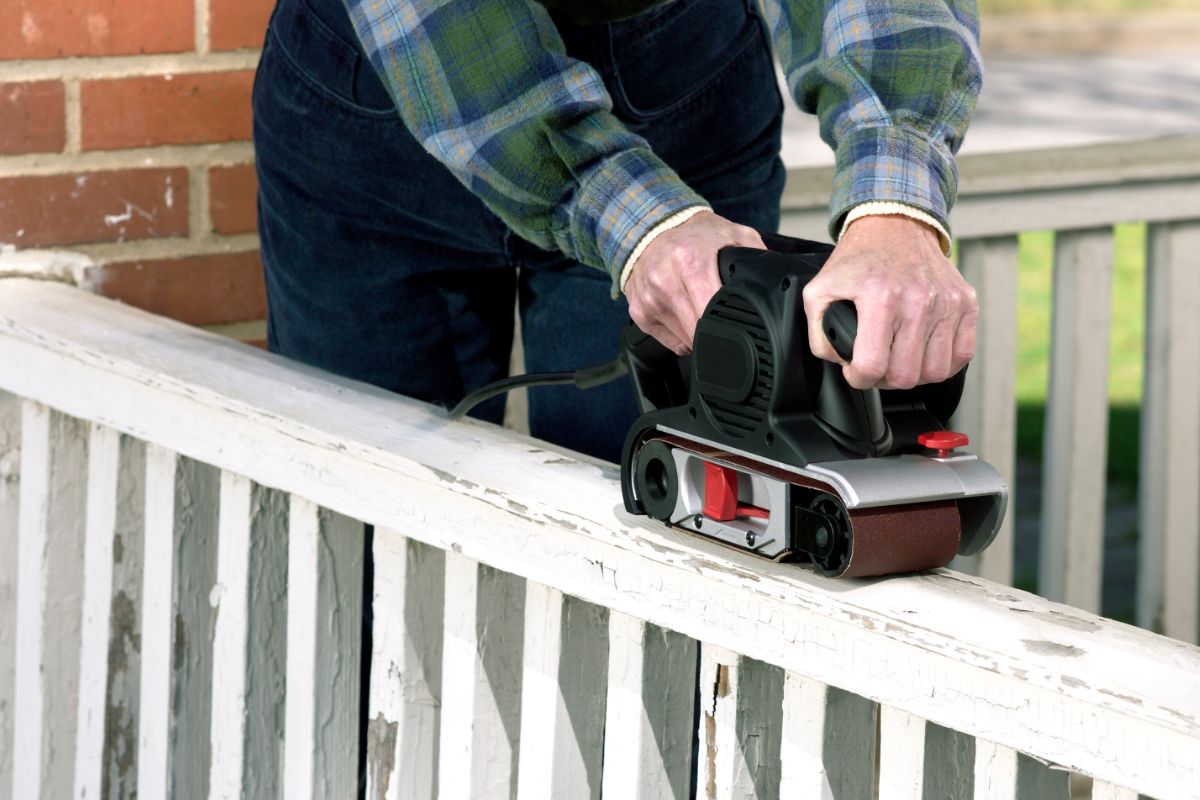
{"type": "Point", "coordinates": [31, 32]}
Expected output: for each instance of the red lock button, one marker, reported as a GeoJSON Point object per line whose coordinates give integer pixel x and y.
{"type": "Point", "coordinates": [943, 441]}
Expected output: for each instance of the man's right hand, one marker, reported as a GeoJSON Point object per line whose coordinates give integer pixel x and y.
{"type": "Point", "coordinates": [675, 277]}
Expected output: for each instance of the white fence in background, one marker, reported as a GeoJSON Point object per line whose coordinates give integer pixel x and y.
{"type": "Point", "coordinates": [182, 564]}
{"type": "Point", "coordinates": [1080, 193]}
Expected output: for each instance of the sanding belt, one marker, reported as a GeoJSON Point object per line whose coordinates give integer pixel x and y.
{"type": "Point", "coordinates": [884, 540]}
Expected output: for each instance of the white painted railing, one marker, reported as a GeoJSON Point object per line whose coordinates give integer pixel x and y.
{"type": "Point", "coordinates": [182, 565]}
{"type": "Point", "coordinates": [1081, 193]}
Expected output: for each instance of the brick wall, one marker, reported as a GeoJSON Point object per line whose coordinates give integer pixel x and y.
{"type": "Point", "coordinates": [125, 135]}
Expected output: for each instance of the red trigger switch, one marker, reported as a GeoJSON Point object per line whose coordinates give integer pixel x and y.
{"type": "Point", "coordinates": [943, 441]}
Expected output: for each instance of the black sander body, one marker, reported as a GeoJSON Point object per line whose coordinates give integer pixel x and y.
{"type": "Point", "coordinates": [755, 442]}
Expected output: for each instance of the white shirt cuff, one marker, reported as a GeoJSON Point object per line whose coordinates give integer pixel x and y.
{"type": "Point", "coordinates": [889, 207]}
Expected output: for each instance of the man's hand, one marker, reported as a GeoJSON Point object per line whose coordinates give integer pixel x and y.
{"type": "Point", "coordinates": [916, 313]}
{"type": "Point", "coordinates": [675, 277]}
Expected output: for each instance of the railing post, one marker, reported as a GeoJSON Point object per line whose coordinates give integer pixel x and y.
{"type": "Point", "coordinates": [1169, 502]}
{"type": "Point", "coordinates": [49, 601]}
{"type": "Point", "coordinates": [10, 477]}
{"type": "Point", "coordinates": [1072, 543]}
{"type": "Point", "coordinates": [988, 408]}
{"type": "Point", "coordinates": [648, 731]}
{"type": "Point", "coordinates": [406, 668]}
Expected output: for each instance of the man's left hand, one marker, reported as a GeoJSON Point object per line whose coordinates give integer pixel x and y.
{"type": "Point", "coordinates": [916, 313]}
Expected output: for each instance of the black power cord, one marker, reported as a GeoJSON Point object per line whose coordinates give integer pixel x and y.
{"type": "Point", "coordinates": [584, 378]}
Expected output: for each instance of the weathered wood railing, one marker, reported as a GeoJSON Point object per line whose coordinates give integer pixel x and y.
{"type": "Point", "coordinates": [181, 609]}
{"type": "Point", "coordinates": [1081, 193]}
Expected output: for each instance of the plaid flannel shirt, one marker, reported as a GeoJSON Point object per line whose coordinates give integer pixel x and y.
{"type": "Point", "coordinates": [487, 88]}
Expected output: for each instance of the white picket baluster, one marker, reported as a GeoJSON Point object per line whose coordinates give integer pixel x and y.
{"type": "Point", "coordinates": [828, 735]}
{"type": "Point", "coordinates": [480, 701]}
{"type": "Point", "coordinates": [741, 703]}
{"type": "Point", "coordinates": [1072, 543]}
{"type": "Point", "coordinates": [325, 554]}
{"type": "Point", "coordinates": [1107, 791]}
{"type": "Point", "coordinates": [901, 755]}
{"type": "Point", "coordinates": [1002, 773]}
{"type": "Point", "coordinates": [230, 598]}
{"type": "Point", "coordinates": [406, 669]}
{"type": "Point", "coordinates": [648, 718]}
{"type": "Point", "coordinates": [154, 719]}
{"type": "Point", "coordinates": [10, 474]}
{"type": "Point", "coordinates": [53, 508]}
{"type": "Point", "coordinates": [988, 411]}
{"type": "Point", "coordinates": [565, 653]}
{"type": "Point", "coordinates": [103, 473]}
{"type": "Point", "coordinates": [1169, 503]}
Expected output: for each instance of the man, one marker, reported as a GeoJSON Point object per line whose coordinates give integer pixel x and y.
{"type": "Point", "coordinates": [413, 153]}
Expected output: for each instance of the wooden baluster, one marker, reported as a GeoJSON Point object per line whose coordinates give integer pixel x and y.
{"type": "Point", "coordinates": [406, 668]}
{"type": "Point", "coordinates": [230, 599]}
{"type": "Point", "coordinates": [197, 516]}
{"type": "Point", "coordinates": [919, 759]}
{"type": "Point", "coordinates": [741, 703]}
{"type": "Point", "coordinates": [1002, 773]}
{"type": "Point", "coordinates": [103, 476]}
{"type": "Point", "coordinates": [324, 629]}
{"type": "Point", "coordinates": [158, 570]}
{"type": "Point", "coordinates": [1169, 503]}
{"type": "Point", "coordinates": [828, 738]}
{"type": "Point", "coordinates": [987, 412]}
{"type": "Point", "coordinates": [481, 681]}
{"type": "Point", "coordinates": [267, 655]}
{"type": "Point", "coordinates": [1072, 542]}
{"type": "Point", "coordinates": [10, 475]}
{"type": "Point", "coordinates": [49, 600]}
{"type": "Point", "coordinates": [1102, 790]}
{"type": "Point", "coordinates": [562, 696]}
{"type": "Point", "coordinates": [648, 728]}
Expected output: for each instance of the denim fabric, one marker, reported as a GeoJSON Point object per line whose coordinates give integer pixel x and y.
{"type": "Point", "coordinates": [381, 266]}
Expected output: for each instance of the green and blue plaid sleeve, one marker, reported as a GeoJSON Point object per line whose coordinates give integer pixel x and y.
{"type": "Point", "coordinates": [488, 89]}
{"type": "Point", "coordinates": [893, 83]}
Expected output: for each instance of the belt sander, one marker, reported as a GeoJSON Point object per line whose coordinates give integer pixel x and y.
{"type": "Point", "coordinates": [755, 442]}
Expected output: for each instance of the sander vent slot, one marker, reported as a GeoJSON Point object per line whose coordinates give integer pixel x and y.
{"type": "Point", "coordinates": [742, 419]}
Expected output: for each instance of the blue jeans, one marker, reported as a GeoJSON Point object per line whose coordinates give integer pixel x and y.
{"type": "Point", "coordinates": [382, 267]}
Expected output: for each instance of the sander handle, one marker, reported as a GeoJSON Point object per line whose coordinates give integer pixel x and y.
{"type": "Point", "coordinates": [840, 324]}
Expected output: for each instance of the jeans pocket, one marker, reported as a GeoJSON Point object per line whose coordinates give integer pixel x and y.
{"type": "Point", "coordinates": [677, 57]}
{"type": "Point", "coordinates": [323, 59]}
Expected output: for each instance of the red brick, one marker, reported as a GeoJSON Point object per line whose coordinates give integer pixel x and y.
{"type": "Point", "coordinates": [232, 193]}
{"type": "Point", "coordinates": [54, 28]}
{"type": "Point", "coordinates": [238, 23]}
{"type": "Point", "coordinates": [199, 290]}
{"type": "Point", "coordinates": [32, 117]}
{"type": "Point", "coordinates": [115, 205]}
{"type": "Point", "coordinates": [166, 109]}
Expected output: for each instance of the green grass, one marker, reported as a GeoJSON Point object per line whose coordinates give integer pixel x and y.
{"type": "Point", "coordinates": [997, 7]}
{"type": "Point", "coordinates": [1125, 347]}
